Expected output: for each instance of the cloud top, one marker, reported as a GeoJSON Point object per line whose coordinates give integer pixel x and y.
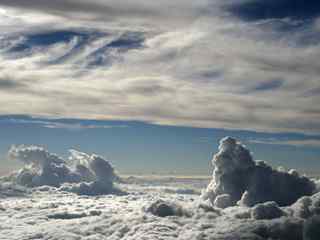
{"type": "Point", "coordinates": [243, 181]}
{"type": "Point", "coordinates": [83, 173]}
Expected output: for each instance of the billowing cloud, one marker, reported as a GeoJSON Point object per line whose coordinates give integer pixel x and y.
{"type": "Point", "coordinates": [150, 215]}
{"type": "Point", "coordinates": [83, 174]}
{"type": "Point", "coordinates": [162, 208]}
{"type": "Point", "coordinates": [246, 182]}
{"type": "Point", "coordinates": [147, 213]}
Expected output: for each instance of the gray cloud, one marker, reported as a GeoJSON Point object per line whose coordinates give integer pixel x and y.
{"type": "Point", "coordinates": [202, 69]}
{"type": "Point", "coordinates": [269, 85]}
{"type": "Point", "coordinates": [7, 84]}
{"type": "Point", "coordinates": [291, 142]}
{"type": "Point", "coordinates": [148, 214]}
{"type": "Point", "coordinates": [138, 12]}
{"type": "Point", "coordinates": [60, 125]}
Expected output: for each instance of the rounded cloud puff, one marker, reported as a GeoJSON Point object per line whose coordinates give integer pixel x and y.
{"type": "Point", "coordinates": [268, 210]}
{"type": "Point", "coordinates": [248, 182]}
{"type": "Point", "coordinates": [94, 173]}
{"type": "Point", "coordinates": [223, 201]}
{"type": "Point", "coordinates": [163, 208]}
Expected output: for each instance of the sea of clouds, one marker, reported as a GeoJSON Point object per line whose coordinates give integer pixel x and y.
{"type": "Point", "coordinates": [82, 197]}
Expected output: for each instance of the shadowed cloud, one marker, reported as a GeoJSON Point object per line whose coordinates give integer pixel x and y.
{"type": "Point", "coordinates": [269, 85]}
{"type": "Point", "coordinates": [6, 83]}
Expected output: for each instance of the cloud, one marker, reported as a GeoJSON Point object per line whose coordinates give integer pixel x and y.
{"type": "Point", "coordinates": [149, 214]}
{"type": "Point", "coordinates": [123, 61]}
{"type": "Point", "coordinates": [57, 123]}
{"type": "Point", "coordinates": [66, 215]}
{"type": "Point", "coordinates": [296, 143]}
{"type": "Point", "coordinates": [269, 85]}
{"type": "Point", "coordinates": [84, 174]}
{"type": "Point", "coordinates": [267, 210]}
{"type": "Point", "coordinates": [247, 182]}
{"type": "Point", "coordinates": [8, 84]}
{"type": "Point", "coordinates": [311, 228]}
{"type": "Point", "coordinates": [94, 188]}
{"type": "Point", "coordinates": [142, 14]}
{"type": "Point", "coordinates": [162, 208]}
{"type": "Point", "coordinates": [10, 190]}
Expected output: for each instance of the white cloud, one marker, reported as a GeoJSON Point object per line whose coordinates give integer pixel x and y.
{"type": "Point", "coordinates": [49, 213]}
{"type": "Point", "coordinates": [84, 174]}
{"type": "Point", "coordinates": [238, 179]}
{"type": "Point", "coordinates": [63, 125]}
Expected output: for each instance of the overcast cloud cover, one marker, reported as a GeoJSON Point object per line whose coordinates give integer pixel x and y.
{"type": "Point", "coordinates": [192, 63]}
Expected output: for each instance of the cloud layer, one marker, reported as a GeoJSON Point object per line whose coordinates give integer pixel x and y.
{"type": "Point", "coordinates": [50, 213]}
{"type": "Point", "coordinates": [182, 63]}
{"type": "Point", "coordinates": [154, 208]}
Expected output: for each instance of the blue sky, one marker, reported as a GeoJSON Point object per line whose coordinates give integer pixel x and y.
{"type": "Point", "coordinates": [207, 68]}
{"type": "Point", "coordinates": [141, 148]}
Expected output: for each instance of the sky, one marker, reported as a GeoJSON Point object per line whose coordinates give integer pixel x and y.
{"type": "Point", "coordinates": [154, 85]}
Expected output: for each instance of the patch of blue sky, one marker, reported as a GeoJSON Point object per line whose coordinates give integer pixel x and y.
{"type": "Point", "coordinates": [144, 148]}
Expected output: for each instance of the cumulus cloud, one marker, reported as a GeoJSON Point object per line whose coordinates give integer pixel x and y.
{"type": "Point", "coordinates": [85, 174]}
{"type": "Point", "coordinates": [43, 168]}
{"type": "Point", "coordinates": [147, 213]}
{"type": "Point", "coordinates": [163, 208]}
{"type": "Point", "coordinates": [305, 207]}
{"type": "Point", "coordinates": [241, 180]}
{"type": "Point", "coordinates": [267, 210]}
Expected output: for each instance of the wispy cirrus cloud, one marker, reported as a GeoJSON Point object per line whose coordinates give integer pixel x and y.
{"type": "Point", "coordinates": [292, 142]}
{"type": "Point", "coordinates": [144, 61]}
{"type": "Point", "coordinates": [58, 124]}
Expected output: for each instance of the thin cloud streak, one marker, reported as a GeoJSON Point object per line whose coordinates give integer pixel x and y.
{"type": "Point", "coordinates": [61, 125]}
{"type": "Point", "coordinates": [296, 143]}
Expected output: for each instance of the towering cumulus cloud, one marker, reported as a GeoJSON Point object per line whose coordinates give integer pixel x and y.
{"type": "Point", "coordinates": [238, 179]}
{"type": "Point", "coordinates": [82, 174]}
